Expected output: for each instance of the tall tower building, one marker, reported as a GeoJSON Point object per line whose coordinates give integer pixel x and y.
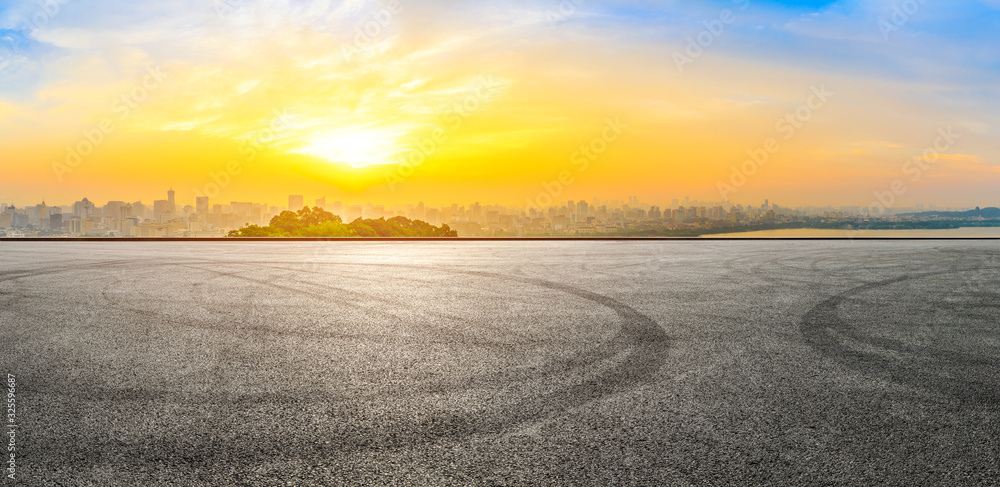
{"type": "Point", "coordinates": [171, 203]}
{"type": "Point", "coordinates": [83, 208]}
{"type": "Point", "coordinates": [201, 205]}
{"type": "Point", "coordinates": [161, 210]}
{"type": "Point", "coordinates": [296, 202]}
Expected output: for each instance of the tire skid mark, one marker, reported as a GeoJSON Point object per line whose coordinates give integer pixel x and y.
{"type": "Point", "coordinates": [555, 367]}
{"type": "Point", "coordinates": [15, 274]}
{"type": "Point", "coordinates": [642, 342]}
{"type": "Point", "coordinates": [631, 357]}
{"type": "Point", "coordinates": [817, 325]}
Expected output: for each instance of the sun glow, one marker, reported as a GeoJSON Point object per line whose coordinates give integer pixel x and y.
{"type": "Point", "coordinates": [355, 148]}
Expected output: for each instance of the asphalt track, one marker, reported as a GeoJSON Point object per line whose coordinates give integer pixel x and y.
{"type": "Point", "coordinates": [504, 363]}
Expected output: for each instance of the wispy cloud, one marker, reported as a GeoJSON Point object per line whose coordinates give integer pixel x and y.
{"type": "Point", "coordinates": [367, 96]}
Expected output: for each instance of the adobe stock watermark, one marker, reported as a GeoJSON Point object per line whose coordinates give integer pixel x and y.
{"type": "Point", "coordinates": [580, 160]}
{"type": "Point", "coordinates": [452, 120]}
{"type": "Point", "coordinates": [563, 11]}
{"type": "Point", "coordinates": [12, 428]}
{"type": "Point", "coordinates": [224, 8]}
{"type": "Point", "coordinates": [121, 108]}
{"type": "Point", "coordinates": [901, 14]}
{"type": "Point", "coordinates": [787, 126]}
{"type": "Point", "coordinates": [249, 149]}
{"type": "Point", "coordinates": [370, 30]}
{"type": "Point", "coordinates": [714, 29]}
{"type": "Point", "coordinates": [915, 168]}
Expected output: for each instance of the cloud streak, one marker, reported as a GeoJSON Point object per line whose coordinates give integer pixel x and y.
{"type": "Point", "coordinates": [357, 98]}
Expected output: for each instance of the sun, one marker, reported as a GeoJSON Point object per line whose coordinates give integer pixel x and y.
{"type": "Point", "coordinates": [356, 148]}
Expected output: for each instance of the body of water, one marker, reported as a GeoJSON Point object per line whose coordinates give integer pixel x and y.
{"type": "Point", "coordinates": [971, 232]}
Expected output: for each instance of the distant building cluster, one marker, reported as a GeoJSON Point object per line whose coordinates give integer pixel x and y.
{"type": "Point", "coordinates": [165, 218]}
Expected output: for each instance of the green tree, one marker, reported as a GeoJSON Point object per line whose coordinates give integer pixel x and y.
{"type": "Point", "coordinates": [329, 229]}
{"type": "Point", "coordinates": [287, 222]}
{"type": "Point", "coordinates": [361, 229]}
{"type": "Point", "coordinates": [316, 222]}
{"type": "Point", "coordinates": [316, 216]}
{"type": "Point", "coordinates": [252, 231]}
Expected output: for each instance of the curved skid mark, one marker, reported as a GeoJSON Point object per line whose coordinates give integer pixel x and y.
{"type": "Point", "coordinates": [817, 324]}
{"type": "Point", "coordinates": [641, 340]}
{"type": "Point", "coordinates": [629, 358]}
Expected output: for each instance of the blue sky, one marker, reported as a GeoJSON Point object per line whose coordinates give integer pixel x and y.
{"type": "Point", "coordinates": [899, 77]}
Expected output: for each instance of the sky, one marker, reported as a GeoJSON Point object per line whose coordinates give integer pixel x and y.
{"type": "Point", "coordinates": [818, 103]}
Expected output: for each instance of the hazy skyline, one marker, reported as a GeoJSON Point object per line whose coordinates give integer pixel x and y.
{"type": "Point", "coordinates": [494, 102]}
{"type": "Point", "coordinates": [309, 201]}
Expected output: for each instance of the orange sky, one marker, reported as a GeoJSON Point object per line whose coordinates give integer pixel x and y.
{"type": "Point", "coordinates": [500, 98]}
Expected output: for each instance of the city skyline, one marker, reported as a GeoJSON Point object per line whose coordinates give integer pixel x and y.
{"type": "Point", "coordinates": [206, 217]}
{"type": "Point", "coordinates": [812, 103]}
{"type": "Point", "coordinates": [875, 208]}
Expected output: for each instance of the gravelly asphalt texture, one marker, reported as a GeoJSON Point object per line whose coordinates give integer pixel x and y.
{"type": "Point", "coordinates": [504, 363]}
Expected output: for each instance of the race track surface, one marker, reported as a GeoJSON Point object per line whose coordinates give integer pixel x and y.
{"type": "Point", "coordinates": [504, 363]}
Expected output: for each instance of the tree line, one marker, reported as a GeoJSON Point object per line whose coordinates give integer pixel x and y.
{"type": "Point", "coordinates": [317, 222]}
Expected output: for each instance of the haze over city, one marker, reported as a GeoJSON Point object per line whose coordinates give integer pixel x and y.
{"type": "Point", "coordinates": [208, 217]}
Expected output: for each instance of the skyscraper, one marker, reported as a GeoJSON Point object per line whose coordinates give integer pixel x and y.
{"type": "Point", "coordinates": [201, 205]}
{"type": "Point", "coordinates": [296, 202]}
{"type": "Point", "coordinates": [83, 208]}
{"type": "Point", "coordinates": [161, 210]}
{"type": "Point", "coordinates": [115, 209]}
{"type": "Point", "coordinates": [171, 203]}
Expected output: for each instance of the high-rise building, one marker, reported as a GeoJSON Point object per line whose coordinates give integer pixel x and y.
{"type": "Point", "coordinates": [477, 212]}
{"type": "Point", "coordinates": [296, 202]}
{"type": "Point", "coordinates": [433, 216]}
{"type": "Point", "coordinates": [7, 217]}
{"type": "Point", "coordinates": [83, 208]}
{"type": "Point", "coordinates": [582, 211]}
{"type": "Point", "coordinates": [115, 209]}
{"type": "Point", "coordinates": [201, 205]}
{"type": "Point", "coordinates": [171, 202]}
{"type": "Point", "coordinates": [353, 213]}
{"type": "Point", "coordinates": [38, 215]}
{"type": "Point", "coordinates": [126, 225]}
{"type": "Point", "coordinates": [321, 202]}
{"type": "Point", "coordinates": [140, 210]}
{"type": "Point", "coordinates": [161, 210]}
{"type": "Point", "coordinates": [243, 208]}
